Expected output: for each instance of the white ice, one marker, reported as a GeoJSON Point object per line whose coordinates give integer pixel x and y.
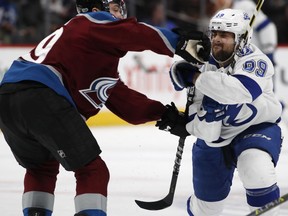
{"type": "Point", "coordinates": [140, 159]}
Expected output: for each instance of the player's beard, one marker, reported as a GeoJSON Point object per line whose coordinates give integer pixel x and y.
{"type": "Point", "coordinates": [220, 54]}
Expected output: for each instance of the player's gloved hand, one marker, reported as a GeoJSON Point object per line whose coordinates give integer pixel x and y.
{"type": "Point", "coordinates": [214, 110]}
{"type": "Point", "coordinates": [173, 121]}
{"type": "Point", "coordinates": [193, 46]}
{"type": "Point", "coordinates": [182, 74]}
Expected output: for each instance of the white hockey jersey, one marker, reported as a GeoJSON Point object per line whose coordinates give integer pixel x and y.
{"type": "Point", "coordinates": [247, 92]}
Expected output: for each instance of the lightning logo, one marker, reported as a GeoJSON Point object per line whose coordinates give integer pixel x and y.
{"type": "Point", "coordinates": [233, 111]}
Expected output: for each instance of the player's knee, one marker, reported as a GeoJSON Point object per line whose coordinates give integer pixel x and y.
{"type": "Point", "coordinates": [197, 207]}
{"type": "Point", "coordinates": [99, 167]}
{"type": "Point", "coordinates": [256, 169]}
{"type": "Point", "coordinates": [257, 172]}
{"type": "Point", "coordinates": [93, 178]}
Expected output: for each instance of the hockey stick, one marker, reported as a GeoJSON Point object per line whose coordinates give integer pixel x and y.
{"type": "Point", "coordinates": [269, 206]}
{"type": "Point", "coordinates": [168, 200]}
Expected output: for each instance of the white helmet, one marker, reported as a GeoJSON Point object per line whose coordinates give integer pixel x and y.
{"type": "Point", "coordinates": [231, 20]}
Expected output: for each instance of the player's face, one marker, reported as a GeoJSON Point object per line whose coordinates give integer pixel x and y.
{"type": "Point", "coordinates": [115, 9]}
{"type": "Point", "coordinates": [223, 44]}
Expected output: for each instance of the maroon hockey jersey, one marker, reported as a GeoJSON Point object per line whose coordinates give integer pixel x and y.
{"type": "Point", "coordinates": [80, 60]}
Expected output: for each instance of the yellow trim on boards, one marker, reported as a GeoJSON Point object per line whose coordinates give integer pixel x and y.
{"type": "Point", "coordinates": [107, 118]}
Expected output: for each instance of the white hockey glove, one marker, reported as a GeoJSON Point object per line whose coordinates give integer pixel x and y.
{"type": "Point", "coordinates": [182, 74]}
{"type": "Point", "coordinates": [193, 46]}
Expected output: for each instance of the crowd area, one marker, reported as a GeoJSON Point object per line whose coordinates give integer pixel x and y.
{"type": "Point", "coordinates": [27, 21]}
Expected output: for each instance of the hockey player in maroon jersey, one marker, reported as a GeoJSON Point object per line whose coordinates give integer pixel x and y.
{"type": "Point", "coordinates": [47, 94]}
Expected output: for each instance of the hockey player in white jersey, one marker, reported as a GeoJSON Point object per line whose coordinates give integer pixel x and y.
{"type": "Point", "coordinates": [234, 116]}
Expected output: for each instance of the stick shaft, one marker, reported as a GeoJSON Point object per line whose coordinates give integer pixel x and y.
{"type": "Point", "coordinates": [269, 206]}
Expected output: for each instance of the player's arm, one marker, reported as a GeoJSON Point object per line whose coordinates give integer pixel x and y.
{"type": "Point", "coordinates": [130, 35]}
{"type": "Point", "coordinates": [132, 106]}
{"type": "Point", "coordinates": [244, 86]}
{"type": "Point", "coordinates": [221, 87]}
{"type": "Point", "coordinates": [228, 89]}
{"type": "Point", "coordinates": [252, 76]}
{"type": "Point", "coordinates": [204, 119]}
{"type": "Point", "coordinates": [191, 45]}
{"type": "Point", "coordinates": [205, 114]}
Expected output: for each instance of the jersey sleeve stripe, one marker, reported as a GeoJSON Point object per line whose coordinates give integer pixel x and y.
{"type": "Point", "coordinates": [170, 38]}
{"type": "Point", "coordinates": [251, 85]}
{"type": "Point", "coordinates": [262, 25]}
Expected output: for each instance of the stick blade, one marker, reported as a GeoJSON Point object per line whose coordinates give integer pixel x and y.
{"type": "Point", "coordinates": [156, 205]}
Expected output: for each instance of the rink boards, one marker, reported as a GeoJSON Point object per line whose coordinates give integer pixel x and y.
{"type": "Point", "coordinates": [148, 73]}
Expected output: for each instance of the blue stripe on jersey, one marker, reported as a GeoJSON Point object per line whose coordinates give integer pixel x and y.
{"type": "Point", "coordinates": [212, 61]}
{"type": "Point", "coordinates": [24, 70]}
{"type": "Point", "coordinates": [191, 117]}
{"type": "Point", "coordinates": [251, 85]}
{"type": "Point", "coordinates": [262, 25]}
{"type": "Point", "coordinates": [171, 36]}
{"type": "Point", "coordinates": [99, 16]}
{"type": "Point", "coordinates": [220, 139]}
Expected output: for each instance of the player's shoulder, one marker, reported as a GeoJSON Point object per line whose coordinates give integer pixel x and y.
{"type": "Point", "coordinates": [253, 59]}
{"type": "Point", "coordinates": [99, 16]}
{"type": "Point", "coordinates": [253, 52]}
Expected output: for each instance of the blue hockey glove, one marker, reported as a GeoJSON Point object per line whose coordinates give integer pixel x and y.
{"type": "Point", "coordinates": [182, 74]}
{"type": "Point", "coordinates": [214, 110]}
{"type": "Point", "coordinates": [193, 46]}
{"type": "Point", "coordinates": [173, 121]}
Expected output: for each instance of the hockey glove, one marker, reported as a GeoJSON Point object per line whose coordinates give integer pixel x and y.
{"type": "Point", "coordinates": [173, 121]}
{"type": "Point", "coordinates": [182, 74]}
{"type": "Point", "coordinates": [193, 46]}
{"type": "Point", "coordinates": [214, 110]}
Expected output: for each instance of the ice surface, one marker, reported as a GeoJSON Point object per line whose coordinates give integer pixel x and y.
{"type": "Point", "coordinates": [140, 159]}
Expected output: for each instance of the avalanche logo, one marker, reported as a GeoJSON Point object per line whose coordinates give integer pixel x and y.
{"type": "Point", "coordinates": [99, 88]}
